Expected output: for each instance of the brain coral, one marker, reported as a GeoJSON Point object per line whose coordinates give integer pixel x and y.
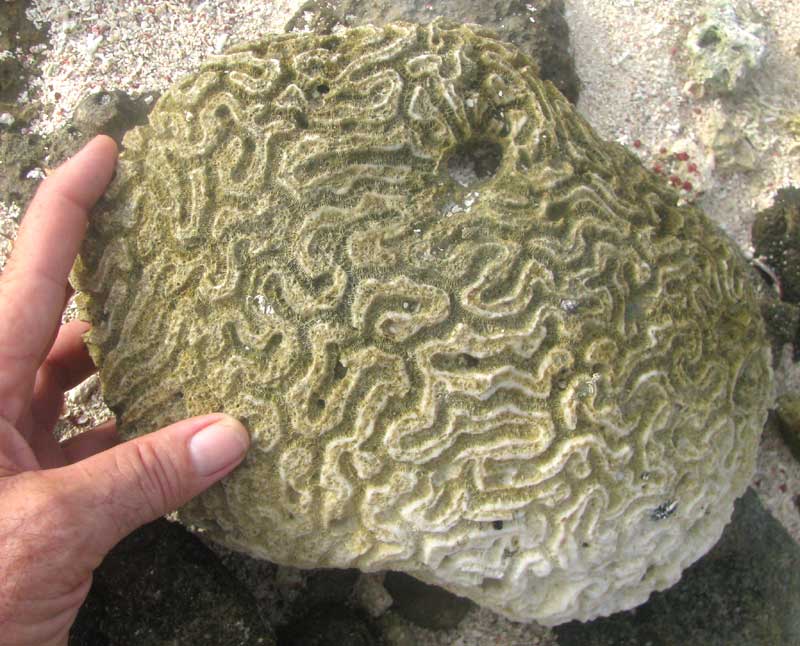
{"type": "Point", "coordinates": [542, 390]}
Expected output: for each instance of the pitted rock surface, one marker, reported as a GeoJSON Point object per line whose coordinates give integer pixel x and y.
{"type": "Point", "coordinates": [542, 390]}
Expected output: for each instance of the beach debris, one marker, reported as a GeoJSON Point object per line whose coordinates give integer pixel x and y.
{"type": "Point", "coordinates": [724, 47]}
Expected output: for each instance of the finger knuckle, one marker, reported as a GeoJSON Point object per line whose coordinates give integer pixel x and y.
{"type": "Point", "coordinates": [157, 478]}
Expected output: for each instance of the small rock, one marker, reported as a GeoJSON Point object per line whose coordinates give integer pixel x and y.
{"type": "Point", "coordinates": [84, 391]}
{"type": "Point", "coordinates": [35, 173]}
{"type": "Point", "coordinates": [395, 631]}
{"type": "Point", "coordinates": [683, 160]}
{"type": "Point", "coordinates": [6, 119]}
{"type": "Point", "coordinates": [109, 113]}
{"type": "Point", "coordinates": [725, 47]}
{"type": "Point", "coordinates": [425, 605]}
{"type": "Point", "coordinates": [727, 139]}
{"type": "Point", "coordinates": [744, 592]}
{"type": "Point", "coordinates": [219, 43]}
{"type": "Point", "coordinates": [789, 421]}
{"type": "Point", "coordinates": [371, 594]}
{"type": "Point", "coordinates": [162, 587]}
{"type": "Point", "coordinates": [330, 625]}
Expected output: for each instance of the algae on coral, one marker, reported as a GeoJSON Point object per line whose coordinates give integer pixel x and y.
{"type": "Point", "coordinates": [542, 390]}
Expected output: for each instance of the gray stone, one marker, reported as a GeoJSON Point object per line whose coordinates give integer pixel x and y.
{"type": "Point", "coordinates": [162, 587]}
{"type": "Point", "coordinates": [744, 592]}
{"type": "Point", "coordinates": [101, 113]}
{"type": "Point", "coordinates": [111, 113]}
{"type": "Point", "coordinates": [396, 631]}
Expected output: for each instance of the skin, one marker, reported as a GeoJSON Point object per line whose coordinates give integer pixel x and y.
{"type": "Point", "coordinates": [64, 505]}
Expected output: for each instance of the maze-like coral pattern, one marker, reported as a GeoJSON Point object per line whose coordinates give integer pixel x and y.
{"type": "Point", "coordinates": [542, 390]}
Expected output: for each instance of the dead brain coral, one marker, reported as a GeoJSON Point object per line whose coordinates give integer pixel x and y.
{"type": "Point", "coordinates": [539, 385]}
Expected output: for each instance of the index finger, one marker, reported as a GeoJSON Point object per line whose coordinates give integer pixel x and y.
{"type": "Point", "coordinates": [34, 283]}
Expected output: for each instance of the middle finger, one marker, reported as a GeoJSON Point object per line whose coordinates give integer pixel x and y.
{"type": "Point", "coordinates": [67, 364]}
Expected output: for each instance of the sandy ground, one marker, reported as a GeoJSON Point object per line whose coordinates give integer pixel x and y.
{"type": "Point", "coordinates": [631, 58]}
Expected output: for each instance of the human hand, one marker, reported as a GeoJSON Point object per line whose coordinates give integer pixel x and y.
{"type": "Point", "coordinates": [63, 506]}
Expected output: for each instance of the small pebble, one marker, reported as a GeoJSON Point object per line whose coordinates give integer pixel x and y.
{"type": "Point", "coordinates": [219, 43]}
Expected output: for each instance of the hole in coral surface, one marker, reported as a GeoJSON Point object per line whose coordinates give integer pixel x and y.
{"type": "Point", "coordinates": [339, 370]}
{"type": "Point", "coordinates": [301, 120]}
{"type": "Point", "coordinates": [709, 37]}
{"type": "Point", "coordinates": [497, 524]}
{"type": "Point", "coordinates": [222, 112]}
{"type": "Point", "coordinates": [474, 161]}
{"type": "Point", "coordinates": [323, 88]}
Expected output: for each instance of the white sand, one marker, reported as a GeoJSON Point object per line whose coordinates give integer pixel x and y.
{"type": "Point", "coordinates": [629, 57]}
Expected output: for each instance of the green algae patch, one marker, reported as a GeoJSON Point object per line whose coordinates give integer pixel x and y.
{"type": "Point", "coordinates": [471, 340]}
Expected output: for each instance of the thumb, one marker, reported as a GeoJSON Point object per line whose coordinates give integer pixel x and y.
{"type": "Point", "coordinates": [120, 489]}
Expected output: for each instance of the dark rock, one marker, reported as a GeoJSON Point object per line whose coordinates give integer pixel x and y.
{"type": "Point", "coordinates": [744, 592]}
{"type": "Point", "coordinates": [331, 625]}
{"type": "Point", "coordinates": [329, 586]}
{"type": "Point", "coordinates": [425, 605]}
{"type": "Point", "coordinates": [788, 413]}
{"type": "Point", "coordinates": [542, 33]}
{"type": "Point", "coordinates": [101, 113]}
{"type": "Point", "coordinates": [162, 587]}
{"type": "Point", "coordinates": [776, 242]}
{"type": "Point", "coordinates": [111, 113]}
{"type": "Point", "coordinates": [22, 155]}
{"type": "Point", "coordinates": [776, 239]}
